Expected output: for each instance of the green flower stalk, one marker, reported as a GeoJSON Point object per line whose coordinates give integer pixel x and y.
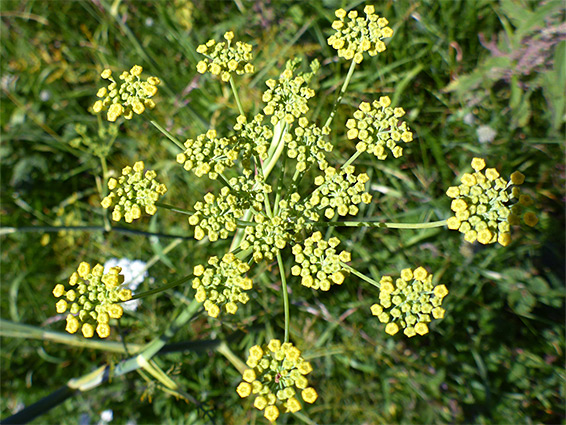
{"type": "Point", "coordinates": [486, 205]}
{"type": "Point", "coordinates": [356, 35]}
{"type": "Point", "coordinates": [277, 372]}
{"type": "Point", "coordinates": [225, 58]}
{"type": "Point", "coordinates": [222, 284]}
{"type": "Point", "coordinates": [318, 262]}
{"type": "Point", "coordinates": [126, 97]}
{"type": "Point", "coordinates": [409, 301]}
{"type": "Point", "coordinates": [133, 191]}
{"type": "Point", "coordinates": [92, 299]}
{"type": "Point", "coordinates": [377, 127]}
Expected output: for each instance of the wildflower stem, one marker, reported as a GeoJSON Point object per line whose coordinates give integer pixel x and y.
{"type": "Point", "coordinates": [341, 94]}
{"type": "Point", "coordinates": [52, 229]}
{"type": "Point", "coordinates": [382, 224]}
{"type": "Point", "coordinates": [285, 294]}
{"type": "Point", "coordinates": [169, 135]}
{"type": "Point", "coordinates": [280, 144]}
{"type": "Point", "coordinates": [233, 85]}
{"type": "Point", "coordinates": [173, 208]}
{"type": "Point", "coordinates": [360, 275]}
{"type": "Point", "coordinates": [104, 189]}
{"type": "Point", "coordinates": [352, 159]}
{"type": "Point", "coordinates": [232, 358]}
{"type": "Point", "coordinates": [162, 288]}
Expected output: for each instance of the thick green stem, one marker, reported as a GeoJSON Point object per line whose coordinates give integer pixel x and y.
{"type": "Point", "coordinates": [52, 229]}
{"type": "Point", "coordinates": [285, 294]}
{"type": "Point", "coordinates": [352, 159]}
{"type": "Point", "coordinates": [173, 208]}
{"type": "Point", "coordinates": [168, 135]}
{"type": "Point", "coordinates": [162, 288]}
{"type": "Point", "coordinates": [386, 225]}
{"type": "Point", "coordinates": [233, 85]}
{"type": "Point", "coordinates": [270, 163]}
{"type": "Point", "coordinates": [360, 275]}
{"type": "Point", "coordinates": [341, 93]}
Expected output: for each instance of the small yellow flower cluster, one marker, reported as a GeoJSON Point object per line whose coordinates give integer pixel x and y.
{"type": "Point", "coordinates": [276, 372]}
{"type": "Point", "coordinates": [252, 138]}
{"type": "Point", "coordinates": [355, 35]}
{"type": "Point", "coordinates": [224, 59]}
{"type": "Point", "coordinates": [208, 154]}
{"type": "Point", "coordinates": [409, 301]}
{"type": "Point", "coordinates": [267, 236]}
{"type": "Point", "coordinates": [131, 95]}
{"type": "Point", "coordinates": [288, 96]}
{"type": "Point", "coordinates": [339, 191]}
{"type": "Point", "coordinates": [318, 263]}
{"type": "Point", "coordinates": [222, 285]}
{"type": "Point", "coordinates": [132, 191]}
{"type": "Point", "coordinates": [309, 145]}
{"type": "Point", "coordinates": [376, 126]}
{"type": "Point", "coordinates": [217, 216]}
{"type": "Point", "coordinates": [92, 300]}
{"type": "Point", "coordinates": [483, 208]}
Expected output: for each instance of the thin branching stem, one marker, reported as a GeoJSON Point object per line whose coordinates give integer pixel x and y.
{"type": "Point", "coordinates": [285, 294]}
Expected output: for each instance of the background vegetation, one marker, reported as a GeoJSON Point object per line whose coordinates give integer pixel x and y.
{"type": "Point", "coordinates": [477, 78]}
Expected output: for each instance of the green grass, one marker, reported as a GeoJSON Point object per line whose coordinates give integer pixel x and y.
{"type": "Point", "coordinates": [497, 357]}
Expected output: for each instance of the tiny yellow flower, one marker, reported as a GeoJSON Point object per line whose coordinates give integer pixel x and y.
{"type": "Point", "coordinates": [309, 395]}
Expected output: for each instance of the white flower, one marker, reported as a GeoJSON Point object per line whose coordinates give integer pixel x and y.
{"type": "Point", "coordinates": [485, 133]}
{"type": "Point", "coordinates": [134, 273]}
{"type": "Point", "coordinates": [106, 416]}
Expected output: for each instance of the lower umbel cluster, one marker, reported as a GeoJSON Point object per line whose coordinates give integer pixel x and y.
{"type": "Point", "coordinates": [486, 205]}
{"type": "Point", "coordinates": [277, 373]}
{"type": "Point", "coordinates": [92, 299]}
{"type": "Point", "coordinates": [409, 301]}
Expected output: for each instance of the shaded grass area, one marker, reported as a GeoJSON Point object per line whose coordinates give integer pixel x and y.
{"type": "Point", "coordinates": [498, 355]}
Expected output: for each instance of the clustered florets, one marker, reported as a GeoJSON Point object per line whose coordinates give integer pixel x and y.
{"type": "Point", "coordinates": [129, 96]}
{"type": "Point", "coordinates": [222, 284]}
{"type": "Point", "coordinates": [486, 205]}
{"type": "Point", "coordinates": [224, 58]}
{"type": "Point", "coordinates": [377, 127]}
{"type": "Point", "coordinates": [132, 191]}
{"type": "Point", "coordinates": [355, 35]}
{"type": "Point", "coordinates": [288, 96]}
{"type": "Point", "coordinates": [277, 371]}
{"type": "Point", "coordinates": [318, 262]}
{"type": "Point", "coordinates": [408, 302]}
{"type": "Point", "coordinates": [208, 154]}
{"type": "Point", "coordinates": [92, 300]}
{"type": "Point", "coordinates": [339, 191]}
{"type": "Point", "coordinates": [218, 216]}
{"type": "Point", "coordinates": [309, 145]}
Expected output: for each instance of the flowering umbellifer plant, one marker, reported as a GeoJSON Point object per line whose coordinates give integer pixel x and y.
{"type": "Point", "coordinates": [276, 189]}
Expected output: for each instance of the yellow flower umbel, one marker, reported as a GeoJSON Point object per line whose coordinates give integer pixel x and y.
{"type": "Point", "coordinates": [208, 154]}
{"type": "Point", "coordinates": [409, 301]}
{"type": "Point", "coordinates": [132, 191]}
{"type": "Point", "coordinates": [377, 127]}
{"type": "Point", "coordinates": [486, 205]}
{"type": "Point", "coordinates": [92, 299]}
{"type": "Point", "coordinates": [224, 58]}
{"type": "Point", "coordinates": [287, 97]}
{"type": "Point", "coordinates": [356, 35]}
{"type": "Point", "coordinates": [318, 263]}
{"type": "Point", "coordinates": [339, 191]}
{"type": "Point", "coordinates": [222, 284]}
{"type": "Point", "coordinates": [277, 372]}
{"type": "Point", "coordinates": [128, 96]}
